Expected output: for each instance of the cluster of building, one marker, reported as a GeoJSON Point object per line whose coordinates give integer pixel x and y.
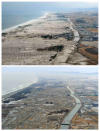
{"type": "Point", "coordinates": [87, 30]}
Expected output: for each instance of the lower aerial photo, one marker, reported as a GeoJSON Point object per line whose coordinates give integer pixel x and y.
{"type": "Point", "coordinates": [46, 97]}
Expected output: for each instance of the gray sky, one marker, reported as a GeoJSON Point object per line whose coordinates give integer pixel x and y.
{"type": "Point", "coordinates": [84, 69]}
{"type": "Point", "coordinates": [15, 78]}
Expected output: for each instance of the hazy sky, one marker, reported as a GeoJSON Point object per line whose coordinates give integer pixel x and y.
{"type": "Point", "coordinates": [44, 69]}
{"type": "Point", "coordinates": [72, 3]}
{"type": "Point", "coordinates": [90, 1]}
{"type": "Point", "coordinates": [15, 78]}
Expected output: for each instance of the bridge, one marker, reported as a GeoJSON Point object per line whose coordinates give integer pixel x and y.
{"type": "Point", "coordinates": [65, 125]}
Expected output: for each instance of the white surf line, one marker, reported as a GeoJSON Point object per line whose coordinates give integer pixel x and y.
{"type": "Point", "coordinates": [20, 87]}
{"type": "Point", "coordinates": [26, 23]}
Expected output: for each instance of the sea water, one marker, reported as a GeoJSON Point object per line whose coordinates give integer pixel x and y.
{"type": "Point", "coordinates": [13, 81]}
{"type": "Point", "coordinates": [15, 13]}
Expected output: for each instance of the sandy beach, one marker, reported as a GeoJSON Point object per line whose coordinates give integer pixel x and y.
{"type": "Point", "coordinates": [25, 23]}
{"type": "Point", "coordinates": [18, 89]}
{"type": "Point", "coordinates": [48, 40]}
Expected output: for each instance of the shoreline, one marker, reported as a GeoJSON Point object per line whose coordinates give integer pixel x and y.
{"type": "Point", "coordinates": [16, 91]}
{"type": "Point", "coordinates": [26, 23]}
{"type": "Point", "coordinates": [41, 41]}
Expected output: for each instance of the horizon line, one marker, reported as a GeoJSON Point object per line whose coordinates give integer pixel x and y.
{"type": "Point", "coordinates": [81, 1]}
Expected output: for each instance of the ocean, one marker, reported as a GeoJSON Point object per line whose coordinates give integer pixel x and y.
{"type": "Point", "coordinates": [15, 13]}
{"type": "Point", "coordinates": [18, 77]}
{"type": "Point", "coordinates": [13, 81]}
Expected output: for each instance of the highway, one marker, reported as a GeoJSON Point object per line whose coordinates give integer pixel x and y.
{"type": "Point", "coordinates": [67, 120]}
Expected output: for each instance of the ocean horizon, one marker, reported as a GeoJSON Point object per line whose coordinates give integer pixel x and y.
{"type": "Point", "coordinates": [15, 13]}
{"type": "Point", "coordinates": [14, 81]}
{"type": "Point", "coordinates": [17, 78]}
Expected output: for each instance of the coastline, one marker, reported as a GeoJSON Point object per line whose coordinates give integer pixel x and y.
{"type": "Point", "coordinates": [51, 39]}
{"type": "Point", "coordinates": [26, 23]}
{"type": "Point", "coordinates": [16, 91]}
{"type": "Point", "coordinates": [49, 27]}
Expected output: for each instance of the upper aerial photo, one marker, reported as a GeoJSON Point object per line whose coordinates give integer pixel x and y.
{"type": "Point", "coordinates": [50, 33]}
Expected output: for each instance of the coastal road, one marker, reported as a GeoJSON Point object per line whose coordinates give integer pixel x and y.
{"type": "Point", "coordinates": [66, 122]}
{"type": "Point", "coordinates": [75, 32]}
{"type": "Point", "coordinates": [68, 51]}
